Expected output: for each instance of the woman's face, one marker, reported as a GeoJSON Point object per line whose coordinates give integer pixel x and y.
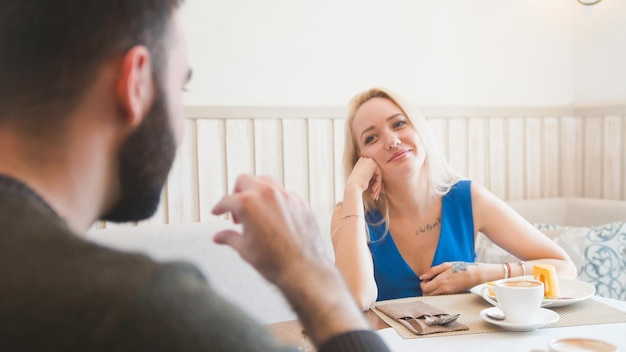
{"type": "Point", "coordinates": [386, 135]}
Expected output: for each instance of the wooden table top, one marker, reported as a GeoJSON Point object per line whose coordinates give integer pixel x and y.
{"type": "Point", "coordinates": [596, 317]}
{"type": "Point", "coordinates": [291, 332]}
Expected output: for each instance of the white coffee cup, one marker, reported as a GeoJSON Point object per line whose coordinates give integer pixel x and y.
{"type": "Point", "coordinates": [518, 298]}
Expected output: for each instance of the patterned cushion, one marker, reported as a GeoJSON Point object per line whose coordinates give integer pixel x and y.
{"type": "Point", "coordinates": [599, 253]}
{"type": "Point", "coordinates": [603, 260]}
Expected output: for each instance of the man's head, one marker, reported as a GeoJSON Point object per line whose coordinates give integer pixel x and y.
{"type": "Point", "coordinates": [52, 51]}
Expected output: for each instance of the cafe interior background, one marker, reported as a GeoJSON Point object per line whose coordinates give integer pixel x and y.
{"type": "Point", "coordinates": [527, 97]}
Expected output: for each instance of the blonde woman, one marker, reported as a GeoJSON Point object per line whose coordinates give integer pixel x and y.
{"type": "Point", "coordinates": [408, 221]}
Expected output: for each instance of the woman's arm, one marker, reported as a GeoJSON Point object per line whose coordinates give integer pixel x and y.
{"type": "Point", "coordinates": [352, 255]}
{"type": "Point", "coordinates": [348, 229]}
{"type": "Point", "coordinates": [509, 230]}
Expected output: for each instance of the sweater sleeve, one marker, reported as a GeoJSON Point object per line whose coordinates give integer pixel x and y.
{"type": "Point", "coordinates": [176, 310]}
{"type": "Point", "coordinates": [360, 340]}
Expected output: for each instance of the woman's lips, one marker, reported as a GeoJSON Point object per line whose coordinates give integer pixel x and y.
{"type": "Point", "coordinates": [399, 155]}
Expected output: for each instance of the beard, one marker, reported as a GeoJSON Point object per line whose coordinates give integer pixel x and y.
{"type": "Point", "coordinates": [145, 159]}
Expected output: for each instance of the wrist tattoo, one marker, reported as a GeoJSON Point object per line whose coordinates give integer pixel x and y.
{"type": "Point", "coordinates": [460, 266]}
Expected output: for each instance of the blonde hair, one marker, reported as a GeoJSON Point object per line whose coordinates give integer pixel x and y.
{"type": "Point", "coordinates": [440, 177]}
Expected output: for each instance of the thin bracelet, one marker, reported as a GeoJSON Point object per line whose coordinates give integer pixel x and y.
{"type": "Point", "coordinates": [351, 215]}
{"type": "Point", "coordinates": [508, 266]}
{"type": "Point", "coordinates": [521, 263]}
{"type": "Point", "coordinates": [506, 271]}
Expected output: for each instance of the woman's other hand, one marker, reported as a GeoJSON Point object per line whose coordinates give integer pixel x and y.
{"type": "Point", "coordinates": [449, 278]}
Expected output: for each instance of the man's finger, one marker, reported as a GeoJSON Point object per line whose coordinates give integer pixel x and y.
{"type": "Point", "coordinates": [228, 203]}
{"type": "Point", "coordinates": [229, 237]}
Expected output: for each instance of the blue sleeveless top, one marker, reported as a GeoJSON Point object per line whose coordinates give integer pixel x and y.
{"type": "Point", "coordinates": [394, 277]}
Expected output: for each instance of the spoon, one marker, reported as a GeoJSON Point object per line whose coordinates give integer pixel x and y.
{"type": "Point", "coordinates": [495, 314]}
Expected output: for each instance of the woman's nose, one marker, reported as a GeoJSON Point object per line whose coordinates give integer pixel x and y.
{"type": "Point", "coordinates": [394, 142]}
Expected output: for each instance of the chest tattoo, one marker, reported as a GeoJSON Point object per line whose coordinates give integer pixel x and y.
{"type": "Point", "coordinates": [428, 227]}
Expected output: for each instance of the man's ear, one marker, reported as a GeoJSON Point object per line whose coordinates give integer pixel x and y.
{"type": "Point", "coordinates": [135, 88]}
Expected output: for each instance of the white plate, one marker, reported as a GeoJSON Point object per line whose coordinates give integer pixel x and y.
{"type": "Point", "coordinates": [573, 291]}
{"type": "Point", "coordinates": [542, 318]}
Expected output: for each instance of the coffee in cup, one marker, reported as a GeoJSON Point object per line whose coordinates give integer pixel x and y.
{"type": "Point", "coordinates": [521, 283]}
{"type": "Point", "coordinates": [576, 344]}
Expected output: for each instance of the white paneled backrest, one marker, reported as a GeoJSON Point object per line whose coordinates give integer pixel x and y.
{"type": "Point", "coordinates": [517, 153]}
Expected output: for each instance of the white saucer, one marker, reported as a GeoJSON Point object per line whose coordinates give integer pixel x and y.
{"type": "Point", "coordinates": [573, 290]}
{"type": "Point", "coordinates": [542, 318]}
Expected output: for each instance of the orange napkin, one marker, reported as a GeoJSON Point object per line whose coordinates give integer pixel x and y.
{"type": "Point", "coordinates": [421, 318]}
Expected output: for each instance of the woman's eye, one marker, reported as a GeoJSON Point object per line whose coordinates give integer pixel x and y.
{"type": "Point", "coordinates": [369, 139]}
{"type": "Point", "coordinates": [399, 124]}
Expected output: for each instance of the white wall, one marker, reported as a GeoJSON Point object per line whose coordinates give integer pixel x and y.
{"type": "Point", "coordinates": [600, 53]}
{"type": "Point", "coordinates": [452, 52]}
{"type": "Point", "coordinates": [442, 53]}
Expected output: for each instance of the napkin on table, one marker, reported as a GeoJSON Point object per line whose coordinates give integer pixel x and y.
{"type": "Point", "coordinates": [421, 318]}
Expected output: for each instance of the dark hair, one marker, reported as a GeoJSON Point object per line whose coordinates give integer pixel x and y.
{"type": "Point", "coordinates": [51, 51]}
